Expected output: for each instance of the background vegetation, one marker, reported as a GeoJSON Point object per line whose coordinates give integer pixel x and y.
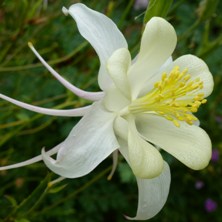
{"type": "Point", "coordinates": [25, 193]}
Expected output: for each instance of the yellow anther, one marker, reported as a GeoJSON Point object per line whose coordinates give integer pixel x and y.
{"type": "Point", "coordinates": [169, 117]}
{"type": "Point", "coordinates": [201, 85]}
{"type": "Point", "coordinates": [199, 97]}
{"type": "Point", "coordinates": [175, 96]}
{"type": "Point", "coordinates": [182, 84]}
{"type": "Point", "coordinates": [195, 86]}
{"type": "Point", "coordinates": [180, 75]}
{"type": "Point", "coordinates": [197, 79]}
{"type": "Point", "coordinates": [160, 112]}
{"type": "Point", "coordinates": [194, 109]}
{"type": "Point", "coordinates": [187, 77]}
{"type": "Point", "coordinates": [197, 103]}
{"type": "Point", "coordinates": [160, 86]}
{"type": "Point", "coordinates": [181, 118]}
{"type": "Point", "coordinates": [203, 101]}
{"type": "Point", "coordinates": [176, 123]}
{"type": "Point", "coordinates": [158, 98]}
{"type": "Point", "coordinates": [164, 76]}
{"type": "Point", "coordinates": [156, 85]}
{"type": "Point", "coordinates": [190, 122]}
{"type": "Point", "coordinates": [175, 104]}
{"type": "Point", "coordinates": [190, 117]}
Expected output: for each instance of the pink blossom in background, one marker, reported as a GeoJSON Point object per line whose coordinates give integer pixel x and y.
{"type": "Point", "coordinates": [199, 184]}
{"type": "Point", "coordinates": [218, 119]}
{"type": "Point", "coordinates": [140, 4]}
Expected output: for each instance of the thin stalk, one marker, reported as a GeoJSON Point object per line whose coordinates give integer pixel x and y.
{"type": "Point", "coordinates": [93, 180]}
{"type": "Point", "coordinates": [52, 62]}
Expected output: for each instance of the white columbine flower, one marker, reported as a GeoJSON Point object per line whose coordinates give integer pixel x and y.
{"type": "Point", "coordinates": [146, 105]}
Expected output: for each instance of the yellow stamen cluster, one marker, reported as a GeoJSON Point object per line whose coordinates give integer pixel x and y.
{"type": "Point", "coordinates": [174, 97]}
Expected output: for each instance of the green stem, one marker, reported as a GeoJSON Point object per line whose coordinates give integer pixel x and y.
{"type": "Point", "coordinates": [52, 62]}
{"type": "Point", "coordinates": [204, 51]}
{"type": "Point", "coordinates": [30, 202]}
{"type": "Point", "coordinates": [17, 49]}
{"type": "Point", "coordinates": [189, 31]}
{"type": "Point", "coordinates": [125, 13]}
{"type": "Point", "coordinates": [93, 180]}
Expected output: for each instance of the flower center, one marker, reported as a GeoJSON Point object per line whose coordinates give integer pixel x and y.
{"type": "Point", "coordinates": [175, 97]}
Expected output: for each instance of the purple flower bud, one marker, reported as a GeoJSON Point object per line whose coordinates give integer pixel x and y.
{"type": "Point", "coordinates": [210, 205]}
{"type": "Point", "coordinates": [215, 155]}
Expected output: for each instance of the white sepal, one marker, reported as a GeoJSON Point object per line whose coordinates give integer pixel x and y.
{"type": "Point", "coordinates": [153, 195]}
{"type": "Point", "coordinates": [88, 144]}
{"type": "Point", "coordinates": [102, 33]}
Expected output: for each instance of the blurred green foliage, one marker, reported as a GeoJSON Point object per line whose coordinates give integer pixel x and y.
{"type": "Point", "coordinates": [24, 193]}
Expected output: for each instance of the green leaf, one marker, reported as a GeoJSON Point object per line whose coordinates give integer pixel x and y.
{"type": "Point", "coordinates": [22, 220]}
{"type": "Point", "coordinates": [12, 200]}
{"type": "Point", "coordinates": [35, 7]}
{"type": "Point", "coordinates": [157, 8]}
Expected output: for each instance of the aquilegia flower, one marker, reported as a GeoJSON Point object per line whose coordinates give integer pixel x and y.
{"type": "Point", "coordinates": [146, 105]}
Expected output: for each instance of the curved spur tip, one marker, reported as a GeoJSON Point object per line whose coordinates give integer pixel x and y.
{"type": "Point", "coordinates": [65, 10]}
{"type": "Point", "coordinates": [30, 44]}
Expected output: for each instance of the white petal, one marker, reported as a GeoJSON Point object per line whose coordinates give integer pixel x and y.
{"type": "Point", "coordinates": [87, 145]}
{"type": "Point", "coordinates": [196, 68]}
{"type": "Point", "coordinates": [157, 44]}
{"type": "Point", "coordinates": [144, 159]}
{"type": "Point", "coordinates": [189, 144]}
{"type": "Point", "coordinates": [114, 100]}
{"type": "Point", "coordinates": [93, 96]}
{"type": "Point", "coordinates": [121, 128]}
{"type": "Point", "coordinates": [53, 112]}
{"type": "Point", "coordinates": [102, 33]}
{"type": "Point", "coordinates": [118, 65]}
{"type": "Point", "coordinates": [153, 194]}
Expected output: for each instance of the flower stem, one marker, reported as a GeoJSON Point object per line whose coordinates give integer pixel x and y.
{"type": "Point", "coordinates": [73, 194]}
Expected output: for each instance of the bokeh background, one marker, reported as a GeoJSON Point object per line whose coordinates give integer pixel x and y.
{"type": "Point", "coordinates": [25, 194]}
